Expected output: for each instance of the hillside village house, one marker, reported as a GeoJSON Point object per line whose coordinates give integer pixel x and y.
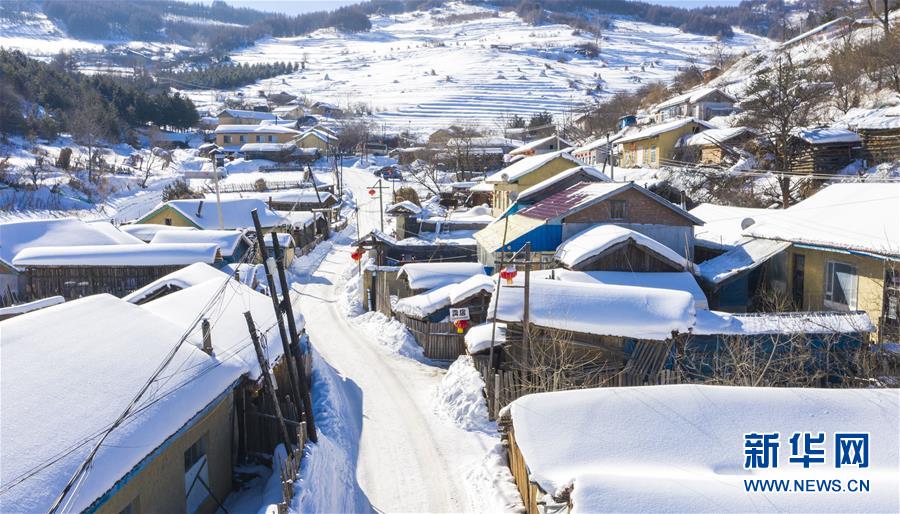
{"type": "Point", "coordinates": [702, 104]}
{"type": "Point", "coordinates": [232, 137]}
{"type": "Point", "coordinates": [880, 132]}
{"type": "Point", "coordinates": [242, 117]}
{"type": "Point", "coordinates": [318, 139]}
{"type": "Point", "coordinates": [540, 146]}
{"type": "Point", "coordinates": [289, 111]}
{"type": "Point", "coordinates": [202, 214]}
{"type": "Point", "coordinates": [61, 232]}
{"type": "Point", "coordinates": [823, 150]}
{"type": "Point", "coordinates": [524, 173]}
{"type": "Point", "coordinates": [653, 145]}
{"type": "Point", "coordinates": [715, 146]}
{"type": "Point", "coordinates": [549, 222]}
{"type": "Point", "coordinates": [595, 152]}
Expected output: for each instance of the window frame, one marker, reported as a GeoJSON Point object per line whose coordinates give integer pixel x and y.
{"type": "Point", "coordinates": [226, 139]}
{"type": "Point", "coordinates": [828, 289]}
{"type": "Point", "coordinates": [612, 211]}
{"type": "Point", "coordinates": [196, 462]}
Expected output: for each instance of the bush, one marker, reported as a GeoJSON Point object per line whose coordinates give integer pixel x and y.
{"type": "Point", "coordinates": [179, 190]}
{"type": "Point", "coordinates": [406, 194]}
{"type": "Point", "coordinates": [260, 185]}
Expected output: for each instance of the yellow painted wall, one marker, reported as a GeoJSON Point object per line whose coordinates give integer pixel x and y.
{"type": "Point", "coordinates": [167, 212]}
{"type": "Point", "coordinates": [310, 141]}
{"type": "Point", "coordinates": [870, 285]}
{"type": "Point", "coordinates": [549, 169]}
{"type": "Point", "coordinates": [251, 138]}
{"type": "Point", "coordinates": [159, 487]}
{"type": "Point", "coordinates": [664, 143]}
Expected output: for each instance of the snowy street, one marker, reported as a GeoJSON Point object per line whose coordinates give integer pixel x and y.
{"type": "Point", "coordinates": [409, 460]}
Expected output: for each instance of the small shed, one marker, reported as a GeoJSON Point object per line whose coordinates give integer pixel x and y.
{"type": "Point", "coordinates": [880, 132]}
{"type": "Point", "coordinates": [616, 248]}
{"type": "Point", "coordinates": [823, 150]}
{"type": "Point", "coordinates": [233, 244]}
{"type": "Point", "coordinates": [714, 146]}
{"type": "Point", "coordinates": [424, 276]}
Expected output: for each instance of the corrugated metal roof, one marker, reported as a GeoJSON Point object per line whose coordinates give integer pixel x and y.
{"type": "Point", "coordinates": [569, 199]}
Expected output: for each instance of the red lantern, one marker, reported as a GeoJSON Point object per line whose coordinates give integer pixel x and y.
{"type": "Point", "coordinates": [357, 255]}
{"type": "Point", "coordinates": [508, 274]}
{"type": "Point", "coordinates": [371, 192]}
{"type": "Point", "coordinates": [461, 325]}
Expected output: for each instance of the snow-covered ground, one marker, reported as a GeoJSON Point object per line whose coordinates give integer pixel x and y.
{"type": "Point", "coordinates": [417, 73]}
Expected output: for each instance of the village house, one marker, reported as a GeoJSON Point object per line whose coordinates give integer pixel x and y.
{"type": "Point", "coordinates": [616, 248]}
{"type": "Point", "coordinates": [880, 133]}
{"type": "Point", "coordinates": [721, 229]}
{"type": "Point", "coordinates": [307, 228]}
{"type": "Point", "coordinates": [318, 139]}
{"type": "Point", "coordinates": [232, 244]}
{"type": "Point", "coordinates": [549, 222]}
{"type": "Point", "coordinates": [654, 145]}
{"type": "Point", "coordinates": [298, 199]}
{"type": "Point", "coordinates": [279, 152]}
{"type": "Point", "coordinates": [596, 152]}
{"type": "Point", "coordinates": [289, 111]}
{"type": "Point", "coordinates": [380, 283]}
{"type": "Point", "coordinates": [823, 150]}
{"type": "Point", "coordinates": [203, 214]}
{"type": "Point", "coordinates": [427, 315]}
{"type": "Point", "coordinates": [17, 236]}
{"type": "Point", "coordinates": [242, 117]}
{"type": "Point", "coordinates": [577, 465]}
{"type": "Point", "coordinates": [540, 146]}
{"type": "Point", "coordinates": [701, 104]}
{"type": "Point", "coordinates": [524, 173]}
{"type": "Point", "coordinates": [230, 138]}
{"type": "Point", "coordinates": [714, 146]}
{"type": "Point", "coordinates": [76, 271]}
{"type": "Point", "coordinates": [326, 109]}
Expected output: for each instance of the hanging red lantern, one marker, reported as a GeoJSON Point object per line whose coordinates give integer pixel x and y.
{"type": "Point", "coordinates": [508, 274]}
{"type": "Point", "coordinates": [357, 254]}
{"type": "Point", "coordinates": [371, 192]}
{"type": "Point", "coordinates": [461, 325]}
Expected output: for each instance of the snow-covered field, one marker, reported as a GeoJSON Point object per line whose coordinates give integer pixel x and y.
{"type": "Point", "coordinates": [417, 73]}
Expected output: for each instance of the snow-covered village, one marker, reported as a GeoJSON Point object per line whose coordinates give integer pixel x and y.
{"type": "Point", "coordinates": [449, 256]}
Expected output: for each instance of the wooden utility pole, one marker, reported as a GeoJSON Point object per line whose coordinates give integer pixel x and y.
{"type": "Point", "coordinates": [268, 264]}
{"type": "Point", "coordinates": [267, 381]}
{"type": "Point", "coordinates": [295, 339]}
{"type": "Point", "coordinates": [526, 294]}
{"type": "Point", "coordinates": [378, 185]}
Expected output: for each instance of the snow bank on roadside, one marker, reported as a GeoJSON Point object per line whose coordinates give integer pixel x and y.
{"type": "Point", "coordinates": [460, 398]}
{"type": "Point", "coordinates": [491, 485]}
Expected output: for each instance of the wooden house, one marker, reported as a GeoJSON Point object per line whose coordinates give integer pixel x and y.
{"type": "Point", "coordinates": [404, 218]}
{"type": "Point", "coordinates": [203, 214]}
{"type": "Point", "coordinates": [285, 242]}
{"type": "Point", "coordinates": [299, 200]}
{"type": "Point", "coordinates": [17, 236]}
{"type": "Point", "coordinates": [233, 244]}
{"type": "Point", "coordinates": [703, 104]}
{"type": "Point", "coordinates": [326, 109]}
{"type": "Point", "coordinates": [714, 146]}
{"type": "Point", "coordinates": [308, 229]}
{"type": "Point", "coordinates": [244, 117]}
{"type": "Point", "coordinates": [654, 145]}
{"type": "Point", "coordinates": [76, 271]}
{"type": "Point", "coordinates": [880, 133]}
{"type": "Point", "coordinates": [230, 138]}
{"type": "Point", "coordinates": [823, 150]}
{"type": "Point", "coordinates": [524, 173]}
{"type": "Point", "coordinates": [426, 315]}
{"type": "Point", "coordinates": [559, 216]}
{"type": "Point", "coordinates": [616, 248]}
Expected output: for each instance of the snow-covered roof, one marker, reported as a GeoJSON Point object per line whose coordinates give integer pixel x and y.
{"type": "Point", "coordinates": [478, 338]}
{"type": "Point", "coordinates": [226, 240]}
{"type": "Point", "coordinates": [714, 136]}
{"type": "Point", "coordinates": [481, 187]}
{"type": "Point", "coordinates": [300, 218]}
{"type": "Point", "coordinates": [69, 371]}
{"type": "Point", "coordinates": [677, 280]}
{"type": "Point", "coordinates": [824, 136]}
{"type": "Point", "coordinates": [599, 238]}
{"type": "Point", "coordinates": [680, 448]}
{"type": "Point", "coordinates": [555, 179]}
{"type": "Point", "coordinates": [19, 235]}
{"type": "Point", "coordinates": [255, 129]}
{"type": "Point", "coordinates": [140, 254]}
{"type": "Point", "coordinates": [527, 147]}
{"type": "Point", "coordinates": [425, 304]}
{"type": "Point", "coordinates": [600, 142]}
{"type": "Point", "coordinates": [147, 231]}
{"type": "Point", "coordinates": [691, 97]}
{"type": "Point", "coordinates": [862, 217]}
{"type": "Point", "coordinates": [306, 195]}
{"type": "Point", "coordinates": [821, 28]}
{"type": "Point", "coordinates": [401, 206]}
{"type": "Point", "coordinates": [722, 224]}
{"type": "Point", "coordinates": [285, 240]}
{"type": "Point", "coordinates": [429, 275]}
{"type": "Point", "coordinates": [661, 128]}
{"type": "Point", "coordinates": [247, 115]}
{"type": "Point", "coordinates": [527, 165]}
{"type": "Point", "coordinates": [187, 276]}
{"type": "Point", "coordinates": [230, 339]}
{"type": "Point", "coordinates": [744, 256]}
{"type": "Point", "coordinates": [471, 286]}
{"type": "Point", "coordinates": [819, 322]}
{"type": "Point", "coordinates": [319, 134]}
{"type": "Point", "coordinates": [885, 118]}
{"type": "Point", "coordinates": [600, 309]}
{"type": "Point", "coordinates": [22, 308]}
{"type": "Point", "coordinates": [235, 213]}
{"type": "Point", "coordinates": [268, 147]}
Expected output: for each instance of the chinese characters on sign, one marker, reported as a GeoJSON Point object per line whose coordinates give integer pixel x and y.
{"type": "Point", "coordinates": [807, 448]}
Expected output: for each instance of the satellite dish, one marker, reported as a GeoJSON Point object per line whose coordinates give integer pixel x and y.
{"type": "Point", "coordinates": [746, 223]}
{"type": "Point", "coordinates": [505, 177]}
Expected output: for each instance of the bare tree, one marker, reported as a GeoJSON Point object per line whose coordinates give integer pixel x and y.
{"type": "Point", "coordinates": [36, 170]}
{"type": "Point", "coordinates": [845, 72]}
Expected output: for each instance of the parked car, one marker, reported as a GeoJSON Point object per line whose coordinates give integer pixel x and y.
{"type": "Point", "coordinates": [389, 172]}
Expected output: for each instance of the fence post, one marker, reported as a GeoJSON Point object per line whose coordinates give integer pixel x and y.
{"type": "Point", "coordinates": [496, 395]}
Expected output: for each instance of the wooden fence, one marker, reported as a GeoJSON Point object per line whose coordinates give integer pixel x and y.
{"type": "Point", "coordinates": [250, 187]}
{"type": "Point", "coordinates": [439, 340]}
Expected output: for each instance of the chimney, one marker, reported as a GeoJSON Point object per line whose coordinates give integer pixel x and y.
{"type": "Point", "coordinates": [200, 209]}
{"type": "Point", "coordinates": [207, 337]}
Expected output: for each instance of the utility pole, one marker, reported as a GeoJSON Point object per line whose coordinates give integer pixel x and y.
{"type": "Point", "coordinates": [215, 158]}
{"type": "Point", "coordinates": [267, 381]}
{"type": "Point", "coordinates": [295, 339]}
{"type": "Point", "coordinates": [268, 265]}
{"type": "Point", "coordinates": [378, 185]}
{"type": "Point", "coordinates": [527, 293]}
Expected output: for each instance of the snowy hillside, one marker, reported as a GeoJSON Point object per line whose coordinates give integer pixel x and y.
{"type": "Point", "coordinates": [415, 71]}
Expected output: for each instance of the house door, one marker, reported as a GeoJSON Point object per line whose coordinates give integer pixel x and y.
{"type": "Point", "coordinates": [890, 324]}
{"type": "Point", "coordinates": [797, 281]}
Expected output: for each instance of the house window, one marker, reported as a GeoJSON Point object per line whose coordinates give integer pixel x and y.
{"type": "Point", "coordinates": [271, 139]}
{"type": "Point", "coordinates": [259, 139]}
{"type": "Point", "coordinates": [840, 286]}
{"type": "Point", "coordinates": [653, 153]}
{"type": "Point", "coordinates": [617, 209]}
{"type": "Point", "coordinates": [243, 139]}
{"type": "Point", "coordinates": [195, 471]}
{"type": "Point", "coordinates": [168, 221]}
{"type": "Point", "coordinates": [132, 508]}
{"type": "Point", "coordinates": [226, 139]}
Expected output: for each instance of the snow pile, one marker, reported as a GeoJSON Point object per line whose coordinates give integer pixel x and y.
{"type": "Point", "coordinates": [597, 239]}
{"type": "Point", "coordinates": [479, 337]}
{"type": "Point", "coordinates": [235, 213]}
{"type": "Point", "coordinates": [470, 287]}
{"type": "Point", "coordinates": [22, 308]}
{"type": "Point", "coordinates": [600, 309]}
{"type": "Point", "coordinates": [390, 334]}
{"type": "Point", "coordinates": [723, 323]}
{"type": "Point", "coordinates": [491, 483]}
{"type": "Point", "coordinates": [824, 136]}
{"type": "Point", "coordinates": [460, 397]}
{"type": "Point", "coordinates": [688, 454]}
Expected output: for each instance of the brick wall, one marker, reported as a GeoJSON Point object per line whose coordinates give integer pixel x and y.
{"type": "Point", "coordinates": [638, 209]}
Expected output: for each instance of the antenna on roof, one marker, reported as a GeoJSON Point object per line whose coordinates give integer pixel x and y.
{"type": "Point", "coordinates": [200, 209]}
